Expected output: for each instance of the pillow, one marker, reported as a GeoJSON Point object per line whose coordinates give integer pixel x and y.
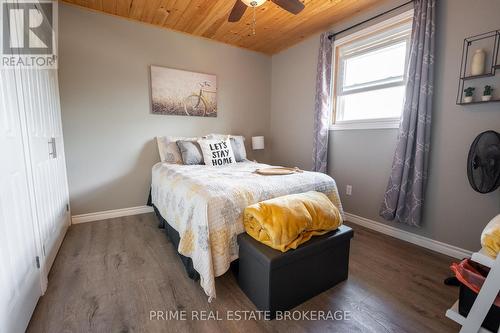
{"type": "Point", "coordinates": [214, 136]}
{"type": "Point", "coordinates": [190, 152]}
{"type": "Point", "coordinates": [217, 152]}
{"type": "Point", "coordinates": [237, 143]}
{"type": "Point", "coordinates": [168, 150]}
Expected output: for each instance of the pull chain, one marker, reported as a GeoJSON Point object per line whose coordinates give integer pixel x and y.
{"type": "Point", "coordinates": [254, 21]}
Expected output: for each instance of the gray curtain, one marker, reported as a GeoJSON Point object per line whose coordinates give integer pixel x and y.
{"type": "Point", "coordinates": [404, 197]}
{"type": "Point", "coordinates": [322, 104]}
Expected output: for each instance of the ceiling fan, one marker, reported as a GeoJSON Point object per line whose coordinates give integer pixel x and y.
{"type": "Point", "coordinates": [292, 6]}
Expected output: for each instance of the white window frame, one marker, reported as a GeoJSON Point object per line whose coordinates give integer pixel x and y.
{"type": "Point", "coordinates": [364, 34]}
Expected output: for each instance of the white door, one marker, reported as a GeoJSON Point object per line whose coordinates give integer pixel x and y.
{"type": "Point", "coordinates": [44, 132]}
{"type": "Point", "coordinates": [20, 285]}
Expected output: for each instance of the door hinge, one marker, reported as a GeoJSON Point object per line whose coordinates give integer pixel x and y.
{"type": "Point", "coordinates": [37, 262]}
{"type": "Point", "coordinates": [43, 248]}
{"type": "Point", "coordinates": [67, 207]}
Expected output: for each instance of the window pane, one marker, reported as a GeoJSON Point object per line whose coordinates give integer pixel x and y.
{"type": "Point", "coordinates": [375, 65]}
{"type": "Point", "coordinates": [383, 103]}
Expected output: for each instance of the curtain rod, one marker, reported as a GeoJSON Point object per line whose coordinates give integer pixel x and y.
{"type": "Point", "coordinates": [368, 20]}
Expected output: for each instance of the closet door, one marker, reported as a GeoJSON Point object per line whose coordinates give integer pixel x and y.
{"type": "Point", "coordinates": [20, 285]}
{"type": "Point", "coordinates": [44, 132]}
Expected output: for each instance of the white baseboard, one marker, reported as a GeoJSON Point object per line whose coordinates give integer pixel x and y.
{"type": "Point", "coordinates": [431, 244]}
{"type": "Point", "coordinates": [108, 214]}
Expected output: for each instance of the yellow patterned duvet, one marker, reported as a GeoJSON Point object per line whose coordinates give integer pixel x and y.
{"type": "Point", "coordinates": [285, 222]}
{"type": "Point", "coordinates": [205, 206]}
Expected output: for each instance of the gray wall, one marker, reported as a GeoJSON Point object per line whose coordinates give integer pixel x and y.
{"type": "Point", "coordinates": [109, 129]}
{"type": "Point", "coordinates": [104, 85]}
{"type": "Point", "coordinates": [454, 213]}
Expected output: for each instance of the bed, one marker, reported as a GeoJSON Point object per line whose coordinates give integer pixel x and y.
{"type": "Point", "coordinates": [204, 205]}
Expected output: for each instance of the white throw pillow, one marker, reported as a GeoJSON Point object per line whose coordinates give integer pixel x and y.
{"type": "Point", "coordinates": [168, 149]}
{"type": "Point", "coordinates": [217, 152]}
{"type": "Point", "coordinates": [237, 143]}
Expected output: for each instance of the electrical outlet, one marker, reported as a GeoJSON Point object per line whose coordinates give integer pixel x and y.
{"type": "Point", "coordinates": [348, 190]}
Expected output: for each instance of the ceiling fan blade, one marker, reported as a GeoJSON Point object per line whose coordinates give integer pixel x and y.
{"type": "Point", "coordinates": [292, 6]}
{"type": "Point", "coordinates": [237, 11]}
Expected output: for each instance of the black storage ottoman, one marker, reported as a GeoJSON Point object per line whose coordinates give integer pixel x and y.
{"type": "Point", "coordinates": [277, 281]}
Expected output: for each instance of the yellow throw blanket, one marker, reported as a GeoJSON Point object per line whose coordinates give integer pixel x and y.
{"type": "Point", "coordinates": [285, 222]}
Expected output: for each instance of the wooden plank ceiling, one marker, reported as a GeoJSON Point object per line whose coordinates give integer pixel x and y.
{"type": "Point", "coordinates": [276, 29]}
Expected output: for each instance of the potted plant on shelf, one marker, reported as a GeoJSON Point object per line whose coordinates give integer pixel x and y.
{"type": "Point", "coordinates": [469, 91]}
{"type": "Point", "coordinates": [486, 94]}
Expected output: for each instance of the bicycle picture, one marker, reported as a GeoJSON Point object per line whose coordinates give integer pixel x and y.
{"type": "Point", "coordinates": [178, 92]}
{"type": "Point", "coordinates": [198, 104]}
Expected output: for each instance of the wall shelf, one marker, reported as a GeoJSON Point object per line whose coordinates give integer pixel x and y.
{"type": "Point", "coordinates": [492, 38]}
{"type": "Point", "coordinates": [472, 77]}
{"type": "Point", "coordinates": [480, 102]}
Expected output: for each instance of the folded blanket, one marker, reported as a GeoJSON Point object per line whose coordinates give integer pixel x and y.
{"type": "Point", "coordinates": [490, 237]}
{"type": "Point", "coordinates": [285, 222]}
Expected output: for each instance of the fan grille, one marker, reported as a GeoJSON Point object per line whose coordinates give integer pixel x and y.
{"type": "Point", "coordinates": [483, 162]}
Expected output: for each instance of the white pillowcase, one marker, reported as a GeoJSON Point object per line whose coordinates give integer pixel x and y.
{"type": "Point", "coordinates": [216, 136]}
{"type": "Point", "coordinates": [168, 149]}
{"type": "Point", "coordinates": [217, 152]}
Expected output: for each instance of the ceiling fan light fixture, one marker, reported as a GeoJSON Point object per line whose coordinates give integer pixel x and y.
{"type": "Point", "coordinates": [253, 3]}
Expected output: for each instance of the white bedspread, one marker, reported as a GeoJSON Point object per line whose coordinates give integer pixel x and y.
{"type": "Point", "coordinates": [205, 205]}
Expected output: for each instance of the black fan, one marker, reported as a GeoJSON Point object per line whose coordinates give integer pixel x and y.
{"type": "Point", "coordinates": [292, 6]}
{"type": "Point", "coordinates": [483, 162]}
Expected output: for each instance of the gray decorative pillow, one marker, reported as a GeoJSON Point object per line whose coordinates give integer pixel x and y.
{"type": "Point", "coordinates": [238, 145]}
{"type": "Point", "coordinates": [190, 152]}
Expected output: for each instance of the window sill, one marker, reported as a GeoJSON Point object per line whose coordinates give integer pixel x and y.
{"type": "Point", "coordinates": [366, 125]}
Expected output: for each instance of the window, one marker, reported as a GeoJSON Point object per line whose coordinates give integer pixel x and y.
{"type": "Point", "coordinates": [370, 75]}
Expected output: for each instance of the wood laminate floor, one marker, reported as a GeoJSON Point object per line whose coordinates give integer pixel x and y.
{"type": "Point", "coordinates": [110, 274]}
